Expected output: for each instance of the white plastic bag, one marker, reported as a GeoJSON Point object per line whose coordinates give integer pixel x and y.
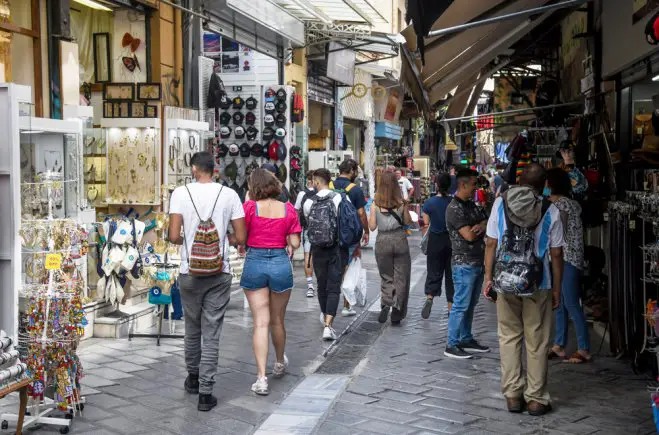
{"type": "Point", "coordinates": [361, 289]}
{"type": "Point", "coordinates": [351, 281]}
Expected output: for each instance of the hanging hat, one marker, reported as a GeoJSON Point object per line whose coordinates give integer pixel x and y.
{"type": "Point", "coordinates": [282, 173]}
{"type": "Point", "coordinates": [268, 133]}
{"type": "Point", "coordinates": [239, 132]}
{"type": "Point", "coordinates": [231, 171]}
{"type": "Point", "coordinates": [272, 150]}
{"type": "Point", "coordinates": [652, 30]}
{"type": "Point", "coordinates": [296, 151]}
{"type": "Point", "coordinates": [250, 118]}
{"type": "Point", "coordinates": [234, 150]}
{"type": "Point", "coordinates": [280, 120]}
{"type": "Point", "coordinates": [280, 133]}
{"type": "Point", "coordinates": [295, 163]}
{"type": "Point", "coordinates": [238, 103]}
{"type": "Point", "coordinates": [252, 132]}
{"type": "Point", "coordinates": [257, 150]}
{"type": "Point", "coordinates": [280, 107]}
{"type": "Point", "coordinates": [265, 151]}
{"type": "Point", "coordinates": [270, 168]}
{"type": "Point", "coordinates": [225, 132]}
{"type": "Point", "coordinates": [282, 151]}
{"type": "Point", "coordinates": [222, 150]}
{"type": "Point", "coordinates": [225, 102]}
{"type": "Point", "coordinates": [225, 118]}
{"type": "Point", "coordinates": [238, 118]}
{"type": "Point", "coordinates": [249, 168]}
{"type": "Point", "coordinates": [245, 150]}
{"type": "Point", "coordinates": [269, 120]}
{"type": "Point", "coordinates": [269, 107]}
{"type": "Point", "coordinates": [270, 95]}
{"type": "Point", "coordinates": [251, 103]}
{"type": "Point", "coordinates": [281, 94]}
{"type": "Point", "coordinates": [295, 174]}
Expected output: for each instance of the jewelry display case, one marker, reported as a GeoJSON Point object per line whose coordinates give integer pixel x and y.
{"type": "Point", "coordinates": [95, 165]}
{"type": "Point", "coordinates": [183, 139]}
{"type": "Point", "coordinates": [133, 160]}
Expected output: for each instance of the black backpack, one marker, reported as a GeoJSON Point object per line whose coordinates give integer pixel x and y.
{"type": "Point", "coordinates": [518, 271]}
{"type": "Point", "coordinates": [308, 194]}
{"type": "Point", "coordinates": [322, 222]}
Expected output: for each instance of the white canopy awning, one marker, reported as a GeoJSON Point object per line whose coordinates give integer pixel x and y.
{"type": "Point", "coordinates": [333, 11]}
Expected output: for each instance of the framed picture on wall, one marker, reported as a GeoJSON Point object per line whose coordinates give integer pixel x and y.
{"type": "Point", "coordinates": [108, 109]}
{"type": "Point", "coordinates": [116, 110]}
{"type": "Point", "coordinates": [149, 91]}
{"type": "Point", "coordinates": [137, 109]}
{"type": "Point", "coordinates": [102, 62]}
{"type": "Point", "coordinates": [124, 109]}
{"type": "Point", "coordinates": [119, 92]}
{"type": "Point", "coordinates": [151, 111]}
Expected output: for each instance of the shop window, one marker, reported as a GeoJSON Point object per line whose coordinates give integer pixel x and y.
{"type": "Point", "coordinates": [85, 22]}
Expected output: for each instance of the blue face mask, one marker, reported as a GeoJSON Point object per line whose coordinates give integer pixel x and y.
{"type": "Point", "coordinates": [546, 191]}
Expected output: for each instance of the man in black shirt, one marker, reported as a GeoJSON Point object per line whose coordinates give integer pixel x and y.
{"type": "Point", "coordinates": [466, 224]}
{"type": "Point", "coordinates": [348, 170]}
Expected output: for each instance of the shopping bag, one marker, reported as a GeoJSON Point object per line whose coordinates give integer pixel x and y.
{"type": "Point", "coordinates": [424, 243]}
{"type": "Point", "coordinates": [351, 281]}
{"type": "Point", "coordinates": [361, 289]}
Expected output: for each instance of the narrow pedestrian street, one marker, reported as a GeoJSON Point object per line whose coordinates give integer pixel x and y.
{"type": "Point", "coordinates": [376, 380]}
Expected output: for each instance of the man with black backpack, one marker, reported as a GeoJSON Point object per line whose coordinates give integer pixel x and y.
{"type": "Point", "coordinates": [345, 184]}
{"type": "Point", "coordinates": [321, 213]}
{"type": "Point", "coordinates": [524, 233]}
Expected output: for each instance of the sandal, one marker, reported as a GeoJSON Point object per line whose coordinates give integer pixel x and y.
{"type": "Point", "coordinates": [556, 355]}
{"type": "Point", "coordinates": [577, 358]}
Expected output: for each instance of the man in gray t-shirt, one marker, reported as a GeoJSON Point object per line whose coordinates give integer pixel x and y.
{"type": "Point", "coordinates": [466, 224]}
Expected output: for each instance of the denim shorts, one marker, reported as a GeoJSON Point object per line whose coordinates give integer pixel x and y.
{"type": "Point", "coordinates": [267, 268]}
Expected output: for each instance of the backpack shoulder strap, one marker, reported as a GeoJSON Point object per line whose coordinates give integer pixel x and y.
{"type": "Point", "coordinates": [545, 207]}
{"type": "Point", "coordinates": [350, 186]}
{"type": "Point", "coordinates": [193, 204]}
{"type": "Point", "coordinates": [331, 185]}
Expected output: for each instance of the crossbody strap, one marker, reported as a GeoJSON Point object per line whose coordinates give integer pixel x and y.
{"type": "Point", "coordinates": [393, 213]}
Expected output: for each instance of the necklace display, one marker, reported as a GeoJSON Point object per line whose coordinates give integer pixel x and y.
{"type": "Point", "coordinates": [183, 144]}
{"type": "Point", "coordinates": [132, 166]}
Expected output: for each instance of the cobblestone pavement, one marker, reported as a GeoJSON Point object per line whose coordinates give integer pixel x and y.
{"type": "Point", "coordinates": [405, 385]}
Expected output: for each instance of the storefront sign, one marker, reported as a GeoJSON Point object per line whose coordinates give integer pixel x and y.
{"type": "Point", "coordinates": [388, 130]}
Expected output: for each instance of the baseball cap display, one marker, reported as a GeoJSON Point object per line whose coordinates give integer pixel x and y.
{"type": "Point", "coordinates": [280, 133]}
{"type": "Point", "coordinates": [250, 118]}
{"type": "Point", "coordinates": [280, 120]}
{"type": "Point", "coordinates": [296, 151]}
{"type": "Point", "coordinates": [238, 118]}
{"type": "Point", "coordinates": [268, 133]}
{"type": "Point", "coordinates": [269, 120]}
{"type": "Point", "coordinates": [280, 107]}
{"type": "Point", "coordinates": [222, 150]}
{"type": "Point", "coordinates": [239, 132]}
{"type": "Point", "coordinates": [252, 132]}
{"type": "Point", "coordinates": [269, 107]}
{"type": "Point", "coordinates": [238, 103]}
{"type": "Point", "coordinates": [270, 95]}
{"type": "Point", "coordinates": [250, 168]}
{"type": "Point", "coordinates": [270, 168]}
{"type": "Point", "coordinates": [251, 103]}
{"type": "Point", "coordinates": [225, 102]}
{"type": "Point", "coordinates": [234, 150]}
{"type": "Point", "coordinates": [281, 94]}
{"type": "Point", "coordinates": [282, 173]}
{"type": "Point", "coordinates": [282, 151]}
{"type": "Point", "coordinates": [231, 171]}
{"type": "Point", "coordinates": [264, 153]}
{"type": "Point", "coordinates": [245, 150]}
{"type": "Point", "coordinates": [295, 163]}
{"type": "Point", "coordinates": [225, 118]}
{"type": "Point", "coordinates": [257, 150]}
{"type": "Point", "coordinates": [225, 132]}
{"type": "Point", "coordinates": [272, 150]}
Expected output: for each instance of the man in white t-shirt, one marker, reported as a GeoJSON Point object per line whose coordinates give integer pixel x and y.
{"type": "Point", "coordinates": [327, 261]}
{"type": "Point", "coordinates": [529, 317]}
{"type": "Point", "coordinates": [305, 194]}
{"type": "Point", "coordinates": [406, 187]}
{"type": "Point", "coordinates": [205, 298]}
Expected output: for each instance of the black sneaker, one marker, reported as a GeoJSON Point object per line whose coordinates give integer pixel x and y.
{"type": "Point", "coordinates": [191, 384]}
{"type": "Point", "coordinates": [384, 313]}
{"type": "Point", "coordinates": [474, 346]}
{"type": "Point", "coordinates": [456, 352]}
{"type": "Point", "coordinates": [206, 402]}
{"type": "Point", "coordinates": [427, 307]}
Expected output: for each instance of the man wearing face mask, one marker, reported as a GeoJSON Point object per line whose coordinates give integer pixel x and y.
{"type": "Point", "coordinates": [345, 183]}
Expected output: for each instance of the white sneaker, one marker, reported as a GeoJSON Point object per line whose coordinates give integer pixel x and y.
{"type": "Point", "coordinates": [311, 292]}
{"type": "Point", "coordinates": [279, 369]}
{"type": "Point", "coordinates": [260, 387]}
{"type": "Point", "coordinates": [348, 312]}
{"type": "Point", "coordinates": [329, 333]}
{"type": "Point", "coordinates": [322, 319]}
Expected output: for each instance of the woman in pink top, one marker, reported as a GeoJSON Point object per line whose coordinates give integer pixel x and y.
{"type": "Point", "coordinates": [273, 234]}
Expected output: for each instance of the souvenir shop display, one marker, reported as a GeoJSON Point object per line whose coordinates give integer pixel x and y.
{"type": "Point", "coordinates": [133, 161]}
{"type": "Point", "coordinates": [12, 370]}
{"type": "Point", "coordinates": [94, 168]}
{"type": "Point", "coordinates": [183, 139]}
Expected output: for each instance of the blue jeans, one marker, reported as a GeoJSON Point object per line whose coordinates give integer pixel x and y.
{"type": "Point", "coordinates": [570, 304]}
{"type": "Point", "coordinates": [467, 282]}
{"type": "Point", "coordinates": [267, 268]}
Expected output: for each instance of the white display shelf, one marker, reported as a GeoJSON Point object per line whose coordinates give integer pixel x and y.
{"type": "Point", "coordinates": [184, 124]}
{"type": "Point", "coordinates": [33, 125]}
{"type": "Point", "coordinates": [130, 122]}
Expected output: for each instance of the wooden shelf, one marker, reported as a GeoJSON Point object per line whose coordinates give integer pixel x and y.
{"type": "Point", "coordinates": [14, 387]}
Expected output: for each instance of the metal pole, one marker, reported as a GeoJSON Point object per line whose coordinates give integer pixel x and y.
{"type": "Point", "coordinates": [508, 112]}
{"type": "Point", "coordinates": [461, 27]}
{"type": "Point", "coordinates": [189, 11]}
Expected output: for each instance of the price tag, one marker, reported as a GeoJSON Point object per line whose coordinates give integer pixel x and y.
{"type": "Point", "coordinates": [53, 261]}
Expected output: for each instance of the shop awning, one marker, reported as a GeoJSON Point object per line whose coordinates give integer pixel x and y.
{"type": "Point", "coordinates": [453, 59]}
{"type": "Point", "coordinates": [333, 11]}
